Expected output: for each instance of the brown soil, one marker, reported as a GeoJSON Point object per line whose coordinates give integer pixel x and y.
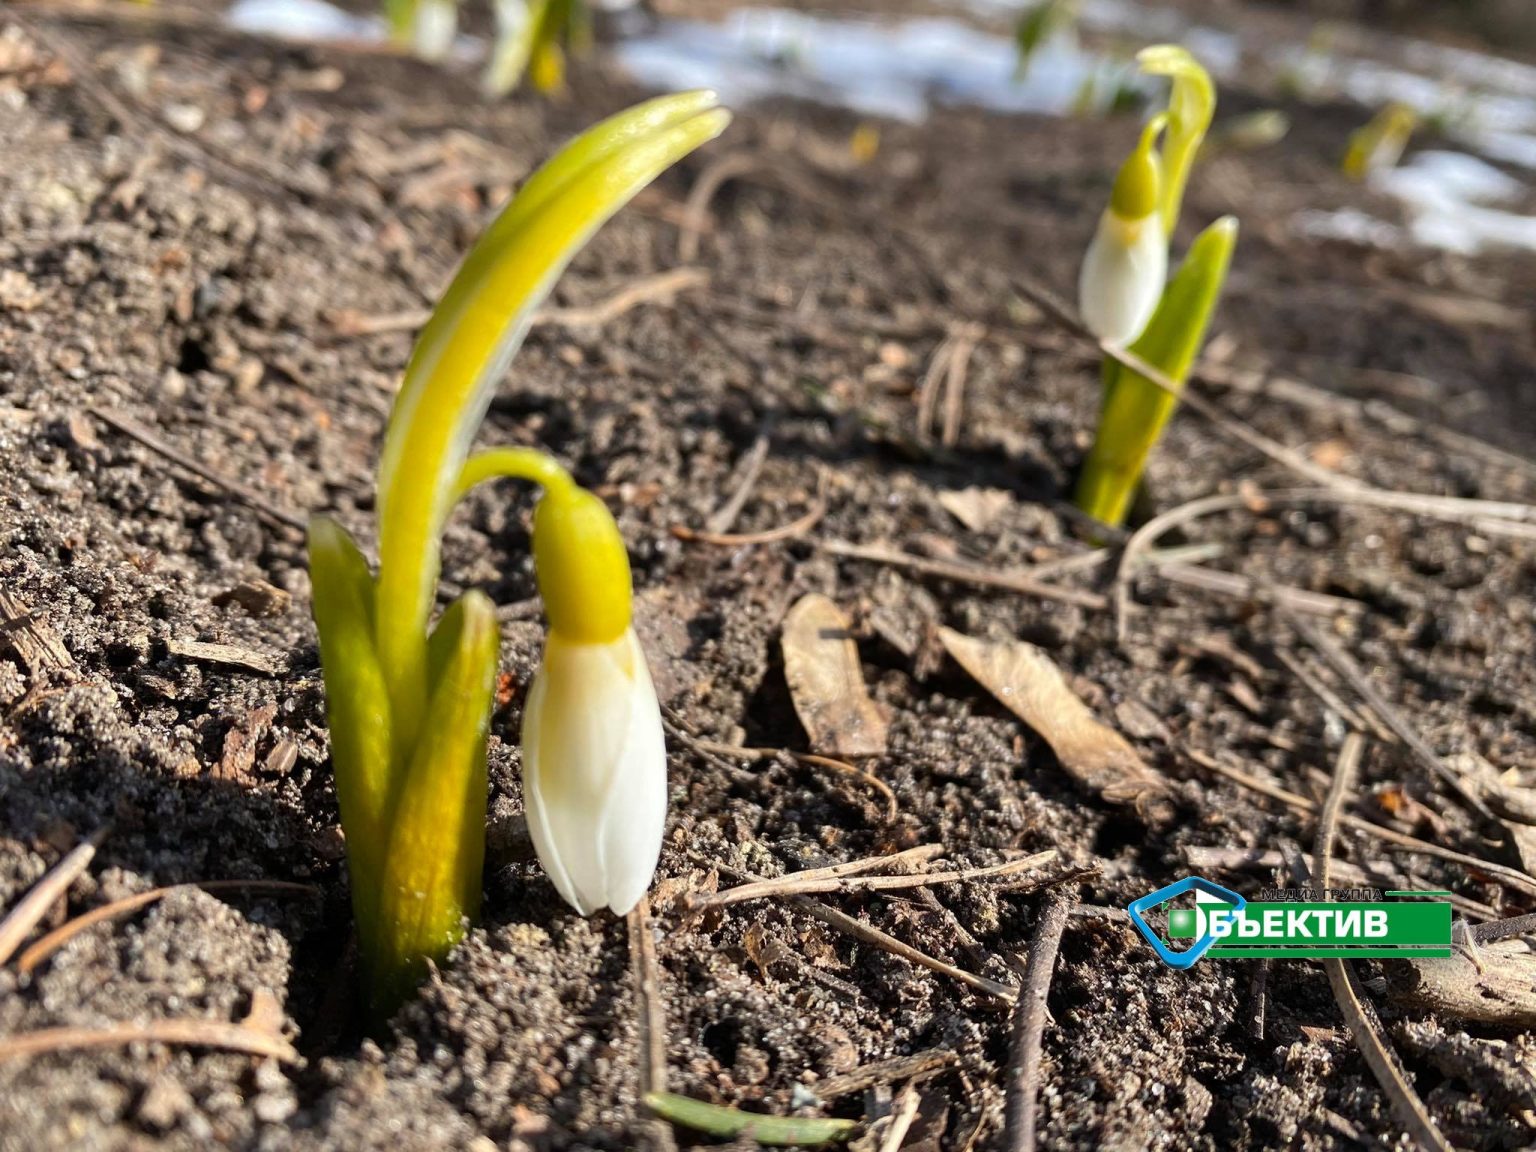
{"type": "Point", "coordinates": [186, 278]}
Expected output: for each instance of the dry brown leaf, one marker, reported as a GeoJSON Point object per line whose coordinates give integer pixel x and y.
{"type": "Point", "coordinates": [976, 508]}
{"type": "Point", "coordinates": [826, 682]}
{"type": "Point", "coordinates": [1027, 682]}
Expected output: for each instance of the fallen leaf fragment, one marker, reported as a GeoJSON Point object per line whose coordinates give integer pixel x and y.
{"type": "Point", "coordinates": [1027, 682]}
{"type": "Point", "coordinates": [976, 508]}
{"type": "Point", "coordinates": [826, 682]}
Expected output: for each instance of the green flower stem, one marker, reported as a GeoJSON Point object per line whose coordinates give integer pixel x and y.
{"type": "Point", "coordinates": [513, 464]}
{"type": "Point", "coordinates": [401, 16]}
{"type": "Point", "coordinates": [1135, 409]}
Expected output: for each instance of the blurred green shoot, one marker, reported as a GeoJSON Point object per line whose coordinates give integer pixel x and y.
{"type": "Point", "coordinates": [532, 38]}
{"type": "Point", "coordinates": [1037, 26]}
{"type": "Point", "coordinates": [1135, 409]}
{"type": "Point", "coordinates": [1379, 144]}
{"type": "Point", "coordinates": [1250, 131]}
{"type": "Point", "coordinates": [408, 703]}
{"type": "Point", "coordinates": [1191, 105]}
{"type": "Point", "coordinates": [427, 27]}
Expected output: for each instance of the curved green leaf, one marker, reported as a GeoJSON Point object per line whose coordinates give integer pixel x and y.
{"type": "Point", "coordinates": [1190, 108]}
{"type": "Point", "coordinates": [469, 341]}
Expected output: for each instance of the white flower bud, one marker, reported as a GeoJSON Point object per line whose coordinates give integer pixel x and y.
{"type": "Point", "coordinates": [595, 771]}
{"type": "Point", "coordinates": [1127, 263]}
{"type": "Point", "coordinates": [1123, 276]}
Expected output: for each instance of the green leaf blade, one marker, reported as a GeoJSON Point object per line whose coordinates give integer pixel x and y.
{"type": "Point", "coordinates": [717, 1120]}
{"type": "Point", "coordinates": [356, 701]}
{"type": "Point", "coordinates": [1191, 106]}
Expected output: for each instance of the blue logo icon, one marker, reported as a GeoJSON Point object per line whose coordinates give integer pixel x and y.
{"type": "Point", "coordinates": [1188, 957]}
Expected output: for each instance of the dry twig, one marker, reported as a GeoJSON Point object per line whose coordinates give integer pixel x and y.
{"type": "Point", "coordinates": [1344, 664]}
{"type": "Point", "coordinates": [922, 854]}
{"type": "Point", "coordinates": [791, 531]}
{"type": "Point", "coordinates": [1132, 557]}
{"type": "Point", "coordinates": [907, 1103]}
{"type": "Point", "coordinates": [258, 1035]}
{"type": "Point", "coordinates": [229, 655]}
{"type": "Point", "coordinates": [799, 883]}
{"type": "Point", "coordinates": [715, 748]}
{"type": "Point", "coordinates": [871, 935]}
{"type": "Point", "coordinates": [1248, 588]}
{"type": "Point", "coordinates": [62, 935]}
{"type": "Point", "coordinates": [1027, 582]}
{"type": "Point", "coordinates": [1028, 1027]}
{"type": "Point", "coordinates": [658, 288]}
{"type": "Point", "coordinates": [1510, 876]}
{"type": "Point", "coordinates": [34, 640]}
{"type": "Point", "coordinates": [696, 208]}
{"type": "Point", "coordinates": [32, 907]}
{"type": "Point", "coordinates": [278, 515]}
{"type": "Point", "coordinates": [724, 517]}
{"type": "Point", "coordinates": [887, 943]}
{"type": "Point", "coordinates": [868, 1076]}
{"type": "Point", "coordinates": [947, 371]}
{"type": "Point", "coordinates": [1366, 1029]}
{"type": "Point", "coordinates": [652, 1017]}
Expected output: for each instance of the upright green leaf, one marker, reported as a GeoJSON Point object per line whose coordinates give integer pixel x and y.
{"type": "Point", "coordinates": [356, 703]}
{"type": "Point", "coordinates": [435, 851]}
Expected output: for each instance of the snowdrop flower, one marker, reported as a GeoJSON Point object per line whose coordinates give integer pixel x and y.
{"type": "Point", "coordinates": [1127, 263]}
{"type": "Point", "coordinates": [409, 693]}
{"type": "Point", "coordinates": [594, 757]}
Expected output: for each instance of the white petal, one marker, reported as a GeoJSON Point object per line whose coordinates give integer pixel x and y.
{"type": "Point", "coordinates": [594, 772]}
{"type": "Point", "coordinates": [1123, 276]}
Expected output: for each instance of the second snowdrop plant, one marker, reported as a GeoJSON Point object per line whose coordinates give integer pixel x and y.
{"type": "Point", "coordinates": [1126, 298]}
{"type": "Point", "coordinates": [408, 700]}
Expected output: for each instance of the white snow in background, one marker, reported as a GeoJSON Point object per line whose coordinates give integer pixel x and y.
{"type": "Point", "coordinates": [303, 20]}
{"type": "Point", "coordinates": [875, 67]}
{"type": "Point", "coordinates": [1449, 197]}
{"type": "Point", "coordinates": [902, 69]}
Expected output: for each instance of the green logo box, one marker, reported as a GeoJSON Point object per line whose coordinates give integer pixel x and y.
{"type": "Point", "coordinates": [1335, 928]}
